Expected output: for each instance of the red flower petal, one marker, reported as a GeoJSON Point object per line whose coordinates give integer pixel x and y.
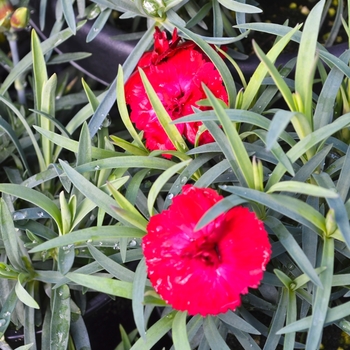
{"type": "Point", "coordinates": [204, 271]}
{"type": "Point", "coordinates": [176, 72]}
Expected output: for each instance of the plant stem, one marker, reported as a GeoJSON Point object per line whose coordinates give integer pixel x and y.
{"type": "Point", "coordinates": [19, 82]}
{"type": "Point", "coordinates": [4, 345]}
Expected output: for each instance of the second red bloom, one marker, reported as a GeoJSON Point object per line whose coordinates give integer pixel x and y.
{"type": "Point", "coordinates": [176, 72]}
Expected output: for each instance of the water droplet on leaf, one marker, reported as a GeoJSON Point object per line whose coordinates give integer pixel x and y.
{"type": "Point", "coordinates": [106, 123]}
{"type": "Point", "coordinates": [132, 243]}
{"type": "Point", "coordinates": [18, 215]}
{"type": "Point", "coordinates": [148, 184]}
{"type": "Point", "coordinates": [60, 337]}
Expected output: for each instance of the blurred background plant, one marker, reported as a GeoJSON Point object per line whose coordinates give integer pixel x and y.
{"type": "Point", "coordinates": [78, 185]}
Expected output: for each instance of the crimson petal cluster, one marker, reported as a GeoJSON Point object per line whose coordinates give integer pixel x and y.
{"type": "Point", "coordinates": [176, 71]}
{"type": "Point", "coordinates": [204, 271]}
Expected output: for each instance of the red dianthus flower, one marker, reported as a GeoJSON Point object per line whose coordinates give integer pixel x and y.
{"type": "Point", "coordinates": [176, 71]}
{"type": "Point", "coordinates": [204, 271]}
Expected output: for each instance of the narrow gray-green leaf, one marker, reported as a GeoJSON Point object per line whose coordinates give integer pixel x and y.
{"type": "Point", "coordinates": [12, 135]}
{"type": "Point", "coordinates": [73, 146]}
{"type": "Point", "coordinates": [68, 57]}
{"type": "Point", "coordinates": [48, 97]}
{"type": "Point", "coordinates": [239, 7]}
{"type": "Point", "coordinates": [219, 208]}
{"type": "Point", "coordinates": [289, 206]}
{"type": "Point", "coordinates": [337, 204]}
{"type": "Point", "coordinates": [278, 124]}
{"type": "Point", "coordinates": [61, 318]}
{"type": "Point", "coordinates": [323, 114]}
{"type": "Point", "coordinates": [293, 248]}
{"type": "Point", "coordinates": [7, 309]}
{"type": "Point", "coordinates": [308, 142]}
{"type": "Point", "coordinates": [128, 66]}
{"type": "Point", "coordinates": [161, 181]}
{"type": "Point", "coordinates": [23, 295]}
{"type": "Point", "coordinates": [138, 293]}
{"type": "Point", "coordinates": [84, 151]}
{"type": "Point", "coordinates": [8, 235]}
{"type": "Point", "coordinates": [26, 62]}
{"type": "Point", "coordinates": [260, 73]}
{"type": "Point", "coordinates": [29, 319]}
{"type": "Point", "coordinates": [235, 321]}
{"type": "Point", "coordinates": [212, 334]}
{"type": "Point", "coordinates": [115, 269]}
{"type": "Point", "coordinates": [155, 333]}
{"type": "Point", "coordinates": [69, 14]}
{"type": "Point", "coordinates": [39, 68]}
{"type": "Point", "coordinates": [343, 184]}
{"type": "Point", "coordinates": [97, 196]}
{"type": "Point", "coordinates": [277, 321]}
{"type": "Point", "coordinates": [123, 110]}
{"type": "Point", "coordinates": [80, 334]}
{"type": "Point", "coordinates": [333, 314]}
{"type": "Point", "coordinates": [235, 141]}
{"type": "Point", "coordinates": [179, 332]}
{"type": "Point", "coordinates": [90, 234]}
{"type": "Point", "coordinates": [226, 149]}
{"type": "Point", "coordinates": [35, 197]}
{"type": "Point", "coordinates": [322, 296]}
{"type": "Point", "coordinates": [65, 258]}
{"type": "Point", "coordinates": [303, 188]}
{"type": "Point", "coordinates": [98, 25]}
{"type": "Point", "coordinates": [306, 57]}
{"type": "Point", "coordinates": [103, 284]}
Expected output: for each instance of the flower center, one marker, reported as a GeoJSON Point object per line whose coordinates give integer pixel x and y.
{"type": "Point", "coordinates": [210, 256]}
{"type": "Point", "coordinates": [176, 104]}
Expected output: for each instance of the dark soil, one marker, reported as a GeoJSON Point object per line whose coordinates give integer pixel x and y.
{"type": "Point", "coordinates": [295, 11]}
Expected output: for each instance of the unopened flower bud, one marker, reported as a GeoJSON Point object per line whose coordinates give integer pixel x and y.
{"type": "Point", "coordinates": [6, 271]}
{"type": "Point", "coordinates": [239, 99]}
{"type": "Point", "coordinates": [258, 174]}
{"type": "Point", "coordinates": [331, 224]}
{"type": "Point", "coordinates": [298, 102]}
{"type": "Point", "coordinates": [92, 11]}
{"type": "Point", "coordinates": [154, 7]}
{"type": "Point", "coordinates": [20, 18]}
{"type": "Point", "coordinates": [6, 10]}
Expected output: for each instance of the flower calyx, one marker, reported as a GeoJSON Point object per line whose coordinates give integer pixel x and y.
{"type": "Point", "coordinates": [332, 229]}
{"type": "Point", "coordinates": [258, 174]}
{"type": "Point", "coordinates": [6, 11]}
{"type": "Point", "coordinates": [11, 19]}
{"type": "Point", "coordinates": [8, 272]}
{"type": "Point", "coordinates": [20, 18]}
{"type": "Point", "coordinates": [154, 8]}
